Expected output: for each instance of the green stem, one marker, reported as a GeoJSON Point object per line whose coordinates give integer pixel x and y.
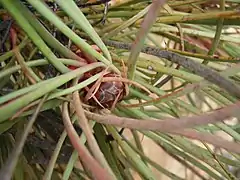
{"type": "Point", "coordinates": [141, 36]}
{"type": "Point", "coordinates": [48, 37]}
{"type": "Point", "coordinates": [14, 8]}
{"type": "Point", "coordinates": [8, 109]}
{"type": "Point", "coordinates": [73, 11]}
{"type": "Point", "coordinates": [218, 32]}
{"type": "Point", "coordinates": [49, 15]}
{"type": "Point", "coordinates": [10, 53]}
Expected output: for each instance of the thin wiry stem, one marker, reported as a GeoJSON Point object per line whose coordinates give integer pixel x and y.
{"type": "Point", "coordinates": [184, 163]}
{"type": "Point", "coordinates": [29, 73]}
{"type": "Point", "coordinates": [197, 68]}
{"type": "Point", "coordinates": [168, 124]}
{"type": "Point", "coordinates": [228, 174]}
{"type": "Point", "coordinates": [14, 8]}
{"type": "Point", "coordinates": [9, 167]}
{"type": "Point", "coordinates": [177, 126]}
{"type": "Point", "coordinates": [218, 33]}
{"type": "Point", "coordinates": [142, 34]}
{"type": "Point", "coordinates": [97, 171]}
{"type": "Point", "coordinates": [83, 123]}
{"type": "Point", "coordinates": [53, 160]}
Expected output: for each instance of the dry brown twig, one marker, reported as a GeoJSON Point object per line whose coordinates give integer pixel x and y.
{"type": "Point", "coordinates": [195, 67]}
{"type": "Point", "coordinates": [177, 126]}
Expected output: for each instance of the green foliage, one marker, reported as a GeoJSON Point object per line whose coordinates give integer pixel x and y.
{"type": "Point", "coordinates": [178, 59]}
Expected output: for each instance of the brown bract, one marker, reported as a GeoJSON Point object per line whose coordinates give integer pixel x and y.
{"type": "Point", "coordinates": [102, 94]}
{"type": "Point", "coordinates": [109, 93]}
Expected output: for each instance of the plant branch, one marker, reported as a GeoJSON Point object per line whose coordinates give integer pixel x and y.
{"type": "Point", "coordinates": [142, 34]}
{"type": "Point", "coordinates": [97, 171]}
{"type": "Point", "coordinates": [177, 126]}
{"type": "Point", "coordinates": [168, 124]}
{"type": "Point", "coordinates": [197, 68]}
{"type": "Point", "coordinates": [83, 123]}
